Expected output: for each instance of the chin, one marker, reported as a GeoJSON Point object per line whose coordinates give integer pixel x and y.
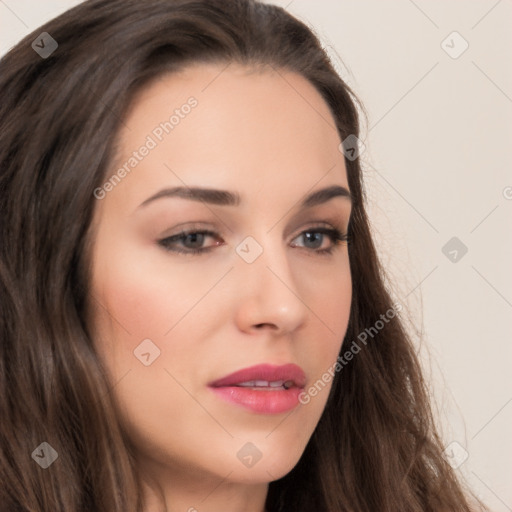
{"type": "Point", "coordinates": [264, 461]}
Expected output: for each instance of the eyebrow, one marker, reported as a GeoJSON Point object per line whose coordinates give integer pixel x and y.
{"type": "Point", "coordinates": [226, 198]}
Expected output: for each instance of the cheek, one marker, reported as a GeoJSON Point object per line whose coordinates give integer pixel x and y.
{"type": "Point", "coordinates": [328, 296]}
{"type": "Point", "coordinates": [132, 303]}
{"type": "Point", "coordinates": [168, 307]}
{"type": "Point", "coordinates": [144, 297]}
{"type": "Point", "coordinates": [141, 296]}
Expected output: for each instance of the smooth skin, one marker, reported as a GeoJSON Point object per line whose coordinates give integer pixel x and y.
{"type": "Point", "coordinates": [269, 137]}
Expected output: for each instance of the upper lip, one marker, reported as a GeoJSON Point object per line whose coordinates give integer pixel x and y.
{"type": "Point", "coordinates": [290, 373]}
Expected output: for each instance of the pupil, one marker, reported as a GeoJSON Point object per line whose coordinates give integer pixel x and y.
{"type": "Point", "coordinates": [314, 238]}
{"type": "Point", "coordinates": [195, 239]}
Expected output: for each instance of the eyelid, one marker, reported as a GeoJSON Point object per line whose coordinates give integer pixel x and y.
{"type": "Point", "coordinates": [186, 227]}
{"type": "Point", "coordinates": [320, 224]}
{"type": "Point", "coordinates": [198, 227]}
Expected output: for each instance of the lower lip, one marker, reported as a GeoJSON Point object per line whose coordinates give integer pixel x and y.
{"type": "Point", "coordinates": [263, 402]}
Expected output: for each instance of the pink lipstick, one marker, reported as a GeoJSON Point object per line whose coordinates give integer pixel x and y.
{"type": "Point", "coordinates": [265, 388]}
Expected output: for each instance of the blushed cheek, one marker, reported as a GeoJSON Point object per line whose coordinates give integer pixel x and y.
{"type": "Point", "coordinates": [126, 310]}
{"type": "Point", "coordinates": [140, 305]}
{"type": "Point", "coordinates": [144, 303]}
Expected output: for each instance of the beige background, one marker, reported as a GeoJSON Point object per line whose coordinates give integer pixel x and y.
{"type": "Point", "coordinates": [437, 165]}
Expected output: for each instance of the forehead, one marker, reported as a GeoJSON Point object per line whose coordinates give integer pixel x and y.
{"type": "Point", "coordinates": [225, 126]}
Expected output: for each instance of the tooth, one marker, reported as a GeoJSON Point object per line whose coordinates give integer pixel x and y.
{"type": "Point", "coordinates": [265, 384]}
{"type": "Point", "coordinates": [248, 384]}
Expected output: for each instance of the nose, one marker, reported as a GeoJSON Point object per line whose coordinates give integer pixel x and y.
{"type": "Point", "coordinates": [267, 296]}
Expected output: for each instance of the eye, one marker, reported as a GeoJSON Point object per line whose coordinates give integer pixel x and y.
{"type": "Point", "coordinates": [315, 239]}
{"type": "Point", "coordinates": [193, 242]}
{"type": "Point", "coordinates": [190, 242]}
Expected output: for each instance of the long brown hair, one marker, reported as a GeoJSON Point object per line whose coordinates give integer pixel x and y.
{"type": "Point", "coordinates": [375, 447]}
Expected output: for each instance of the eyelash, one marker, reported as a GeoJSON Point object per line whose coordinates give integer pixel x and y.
{"type": "Point", "coordinates": [336, 236]}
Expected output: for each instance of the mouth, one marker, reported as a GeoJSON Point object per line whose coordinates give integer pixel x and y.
{"type": "Point", "coordinates": [264, 389]}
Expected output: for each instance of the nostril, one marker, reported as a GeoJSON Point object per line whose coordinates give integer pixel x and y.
{"type": "Point", "coordinates": [259, 326]}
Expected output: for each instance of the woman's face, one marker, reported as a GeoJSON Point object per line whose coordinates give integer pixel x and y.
{"type": "Point", "coordinates": [192, 286]}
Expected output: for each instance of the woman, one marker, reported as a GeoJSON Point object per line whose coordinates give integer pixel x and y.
{"type": "Point", "coordinates": [193, 312]}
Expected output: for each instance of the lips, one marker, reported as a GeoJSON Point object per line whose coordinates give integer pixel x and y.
{"type": "Point", "coordinates": [264, 389]}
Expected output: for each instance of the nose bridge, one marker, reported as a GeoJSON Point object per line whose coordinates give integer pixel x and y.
{"type": "Point", "coordinates": [268, 294]}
